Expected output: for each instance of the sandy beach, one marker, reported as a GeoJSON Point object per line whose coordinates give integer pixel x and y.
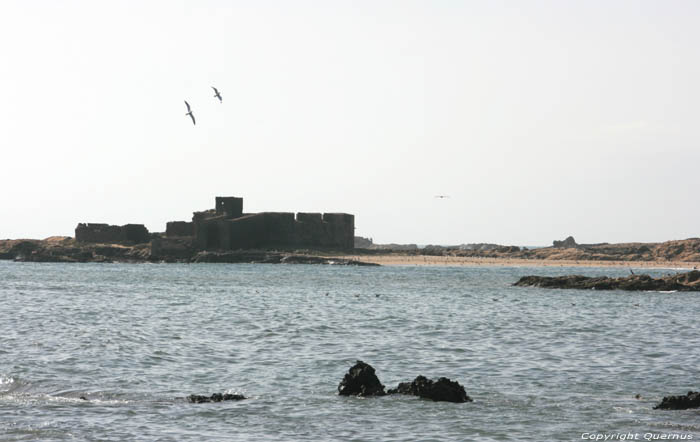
{"type": "Point", "coordinates": [456, 261]}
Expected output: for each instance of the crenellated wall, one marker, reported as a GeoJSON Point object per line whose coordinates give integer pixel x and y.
{"type": "Point", "coordinates": [226, 227]}
{"type": "Point", "coordinates": [105, 233]}
{"type": "Point", "coordinates": [179, 228]}
{"type": "Point", "coordinates": [276, 230]}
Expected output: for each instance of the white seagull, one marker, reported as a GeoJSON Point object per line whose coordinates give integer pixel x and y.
{"type": "Point", "coordinates": [217, 95]}
{"type": "Point", "coordinates": [189, 112]}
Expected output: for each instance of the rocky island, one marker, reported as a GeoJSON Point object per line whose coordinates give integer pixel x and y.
{"type": "Point", "coordinates": [224, 234]}
{"type": "Point", "coordinates": [227, 234]}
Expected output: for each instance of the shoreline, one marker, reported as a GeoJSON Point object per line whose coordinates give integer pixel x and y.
{"type": "Point", "coordinates": [459, 261]}
{"type": "Point", "coordinates": [673, 255]}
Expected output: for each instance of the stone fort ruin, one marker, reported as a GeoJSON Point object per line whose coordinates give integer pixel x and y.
{"type": "Point", "coordinates": [226, 227]}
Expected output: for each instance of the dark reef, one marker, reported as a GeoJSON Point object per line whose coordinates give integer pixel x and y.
{"type": "Point", "coordinates": [361, 380]}
{"type": "Point", "coordinates": [441, 390]}
{"type": "Point", "coordinates": [216, 397]}
{"type": "Point", "coordinates": [690, 400]}
{"type": "Point", "coordinates": [682, 282]}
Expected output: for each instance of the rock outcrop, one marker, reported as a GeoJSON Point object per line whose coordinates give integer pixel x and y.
{"type": "Point", "coordinates": [568, 243]}
{"type": "Point", "coordinates": [441, 390]}
{"type": "Point", "coordinates": [690, 400]}
{"type": "Point", "coordinates": [270, 257]}
{"type": "Point", "coordinates": [361, 380]}
{"type": "Point", "coordinates": [685, 282]}
{"type": "Point", "coordinates": [66, 249]}
{"type": "Point", "coordinates": [363, 243]}
{"type": "Point", "coordinates": [686, 250]}
{"type": "Point", "coordinates": [216, 397]}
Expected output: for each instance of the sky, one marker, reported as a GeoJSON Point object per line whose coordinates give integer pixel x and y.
{"type": "Point", "coordinates": [539, 119]}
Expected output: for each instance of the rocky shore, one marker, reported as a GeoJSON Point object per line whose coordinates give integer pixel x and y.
{"type": "Point", "coordinates": [66, 249]}
{"type": "Point", "coordinates": [682, 253]}
{"type": "Point", "coordinates": [686, 250]}
{"type": "Point", "coordinates": [682, 282]}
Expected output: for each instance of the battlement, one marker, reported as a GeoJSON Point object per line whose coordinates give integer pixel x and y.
{"type": "Point", "coordinates": [226, 227]}
{"type": "Point", "coordinates": [105, 233]}
{"type": "Point", "coordinates": [229, 206]}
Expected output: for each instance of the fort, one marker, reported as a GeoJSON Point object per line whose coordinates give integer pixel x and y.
{"type": "Point", "coordinates": [227, 227]}
{"type": "Point", "coordinates": [104, 233]}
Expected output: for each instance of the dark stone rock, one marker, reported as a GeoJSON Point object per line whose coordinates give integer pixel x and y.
{"type": "Point", "coordinates": [568, 243]}
{"type": "Point", "coordinates": [20, 250]}
{"type": "Point", "coordinates": [689, 281]}
{"type": "Point", "coordinates": [216, 397]}
{"type": "Point", "coordinates": [690, 400]}
{"type": "Point", "coordinates": [361, 381]}
{"type": "Point", "coordinates": [441, 390]}
{"type": "Point", "coordinates": [360, 242]}
{"type": "Point", "coordinates": [307, 259]}
{"type": "Point", "coordinates": [271, 257]}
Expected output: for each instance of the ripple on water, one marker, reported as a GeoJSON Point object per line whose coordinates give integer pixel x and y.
{"type": "Point", "coordinates": [136, 339]}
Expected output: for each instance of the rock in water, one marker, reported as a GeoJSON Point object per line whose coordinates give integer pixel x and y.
{"type": "Point", "coordinates": [216, 397]}
{"type": "Point", "coordinates": [688, 281]}
{"type": "Point", "coordinates": [441, 390]}
{"type": "Point", "coordinates": [690, 400]}
{"type": "Point", "coordinates": [361, 381]}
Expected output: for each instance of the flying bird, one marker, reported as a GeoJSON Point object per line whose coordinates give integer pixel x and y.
{"type": "Point", "coordinates": [189, 112]}
{"type": "Point", "coordinates": [217, 94]}
{"type": "Point", "coordinates": [442, 196]}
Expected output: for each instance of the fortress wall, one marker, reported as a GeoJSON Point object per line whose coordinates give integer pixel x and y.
{"type": "Point", "coordinates": [228, 228]}
{"type": "Point", "coordinates": [245, 232]}
{"type": "Point", "coordinates": [206, 231]}
{"type": "Point", "coordinates": [179, 228]}
{"type": "Point", "coordinates": [279, 229]}
{"type": "Point", "coordinates": [98, 233]}
{"type": "Point", "coordinates": [105, 233]}
{"type": "Point", "coordinates": [229, 206]}
{"type": "Point", "coordinates": [340, 230]}
{"type": "Point", "coordinates": [309, 230]}
{"type": "Point", "coordinates": [306, 217]}
{"type": "Point", "coordinates": [136, 233]}
{"type": "Point", "coordinates": [201, 216]}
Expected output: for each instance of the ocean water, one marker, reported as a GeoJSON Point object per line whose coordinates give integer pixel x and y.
{"type": "Point", "coordinates": [136, 339]}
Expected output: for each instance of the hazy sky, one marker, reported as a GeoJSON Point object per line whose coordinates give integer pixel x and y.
{"type": "Point", "coordinates": [540, 119]}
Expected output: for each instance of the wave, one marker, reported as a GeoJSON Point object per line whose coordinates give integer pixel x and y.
{"type": "Point", "coordinates": [22, 391]}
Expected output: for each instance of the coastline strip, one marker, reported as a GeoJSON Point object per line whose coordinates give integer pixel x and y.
{"type": "Point", "coordinates": [458, 261]}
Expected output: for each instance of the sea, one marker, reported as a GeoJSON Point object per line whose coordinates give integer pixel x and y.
{"type": "Point", "coordinates": [134, 340]}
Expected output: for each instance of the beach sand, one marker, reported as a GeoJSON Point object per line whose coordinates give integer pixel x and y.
{"type": "Point", "coordinates": [457, 261]}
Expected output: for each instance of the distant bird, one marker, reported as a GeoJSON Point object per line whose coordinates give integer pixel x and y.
{"type": "Point", "coordinates": [217, 94]}
{"type": "Point", "coordinates": [189, 112]}
{"type": "Point", "coordinates": [442, 196]}
{"type": "Point", "coordinates": [631, 271]}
